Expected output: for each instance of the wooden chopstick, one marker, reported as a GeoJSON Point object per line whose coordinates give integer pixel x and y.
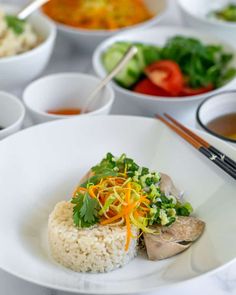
{"type": "Point", "coordinates": [223, 157]}
{"type": "Point", "coordinates": [207, 153]}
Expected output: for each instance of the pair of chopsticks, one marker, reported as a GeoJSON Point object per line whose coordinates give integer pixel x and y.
{"type": "Point", "coordinates": [212, 153]}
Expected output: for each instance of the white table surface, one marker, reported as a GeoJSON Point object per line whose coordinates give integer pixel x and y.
{"type": "Point", "coordinates": [65, 58]}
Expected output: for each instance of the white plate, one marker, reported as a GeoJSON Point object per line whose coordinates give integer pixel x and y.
{"type": "Point", "coordinates": [42, 165]}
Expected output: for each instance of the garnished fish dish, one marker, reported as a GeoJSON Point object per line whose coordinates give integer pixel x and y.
{"type": "Point", "coordinates": [118, 209]}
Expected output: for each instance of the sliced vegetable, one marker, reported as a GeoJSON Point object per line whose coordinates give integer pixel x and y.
{"type": "Point", "coordinates": [146, 86]}
{"type": "Point", "coordinates": [134, 69]}
{"type": "Point", "coordinates": [186, 91]}
{"type": "Point", "coordinates": [167, 75]}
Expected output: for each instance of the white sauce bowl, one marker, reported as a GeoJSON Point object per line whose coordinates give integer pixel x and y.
{"type": "Point", "coordinates": [12, 113]}
{"type": "Point", "coordinates": [214, 107]}
{"type": "Point", "coordinates": [65, 90]}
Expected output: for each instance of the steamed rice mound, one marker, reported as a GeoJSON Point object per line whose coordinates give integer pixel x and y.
{"type": "Point", "coordinates": [96, 249]}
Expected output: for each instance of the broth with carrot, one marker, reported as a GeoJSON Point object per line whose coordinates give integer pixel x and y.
{"type": "Point", "coordinates": [97, 15]}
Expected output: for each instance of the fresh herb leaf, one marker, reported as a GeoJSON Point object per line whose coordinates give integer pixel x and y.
{"type": "Point", "coordinates": [16, 24]}
{"type": "Point", "coordinates": [184, 209]}
{"type": "Point", "coordinates": [108, 163]}
{"type": "Point", "coordinates": [227, 13]}
{"type": "Point", "coordinates": [88, 211]}
{"type": "Point", "coordinates": [85, 211]}
{"type": "Point", "coordinates": [97, 177]}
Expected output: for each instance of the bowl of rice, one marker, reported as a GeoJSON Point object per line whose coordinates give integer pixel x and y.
{"type": "Point", "coordinates": [25, 47]}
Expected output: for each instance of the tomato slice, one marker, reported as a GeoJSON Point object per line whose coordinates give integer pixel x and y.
{"type": "Point", "coordinates": [187, 91]}
{"type": "Point", "coordinates": [146, 86]}
{"type": "Point", "coordinates": [167, 75]}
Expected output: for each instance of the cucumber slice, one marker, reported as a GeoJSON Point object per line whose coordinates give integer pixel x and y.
{"type": "Point", "coordinates": [131, 72]}
{"type": "Point", "coordinates": [134, 69]}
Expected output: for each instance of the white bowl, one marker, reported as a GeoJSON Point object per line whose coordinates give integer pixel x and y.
{"type": "Point", "coordinates": [65, 90]}
{"type": "Point", "coordinates": [18, 70]}
{"type": "Point", "coordinates": [213, 107]}
{"type": "Point", "coordinates": [148, 105]}
{"type": "Point", "coordinates": [195, 14]}
{"type": "Point", "coordinates": [12, 113]}
{"type": "Point", "coordinates": [87, 40]}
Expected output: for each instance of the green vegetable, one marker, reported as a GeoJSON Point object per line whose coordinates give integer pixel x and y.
{"type": "Point", "coordinates": [201, 64]}
{"type": "Point", "coordinates": [16, 24]}
{"type": "Point", "coordinates": [164, 209]}
{"type": "Point", "coordinates": [184, 209]}
{"type": "Point", "coordinates": [85, 211]}
{"type": "Point", "coordinates": [227, 13]}
{"type": "Point", "coordinates": [133, 70]}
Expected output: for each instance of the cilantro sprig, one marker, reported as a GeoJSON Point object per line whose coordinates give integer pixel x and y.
{"type": "Point", "coordinates": [85, 211]}
{"type": "Point", "coordinates": [16, 24]}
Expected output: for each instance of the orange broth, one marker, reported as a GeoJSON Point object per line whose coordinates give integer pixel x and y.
{"type": "Point", "coordinates": [65, 111]}
{"type": "Point", "coordinates": [97, 14]}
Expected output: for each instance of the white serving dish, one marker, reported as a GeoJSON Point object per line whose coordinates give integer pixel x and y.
{"type": "Point", "coordinates": [16, 71]}
{"type": "Point", "coordinates": [150, 105]}
{"type": "Point", "coordinates": [65, 90]}
{"type": "Point", "coordinates": [12, 113]}
{"type": "Point", "coordinates": [45, 164]}
{"type": "Point", "coordinates": [87, 40]}
{"type": "Point", "coordinates": [195, 13]}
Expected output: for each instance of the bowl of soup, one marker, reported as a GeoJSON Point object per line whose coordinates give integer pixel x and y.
{"type": "Point", "coordinates": [87, 23]}
{"type": "Point", "coordinates": [217, 115]}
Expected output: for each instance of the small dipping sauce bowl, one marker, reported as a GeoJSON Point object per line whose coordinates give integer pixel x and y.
{"type": "Point", "coordinates": [60, 96]}
{"type": "Point", "coordinates": [217, 115]}
{"type": "Point", "coordinates": [12, 113]}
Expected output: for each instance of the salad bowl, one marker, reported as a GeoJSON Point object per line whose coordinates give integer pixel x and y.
{"type": "Point", "coordinates": [149, 105]}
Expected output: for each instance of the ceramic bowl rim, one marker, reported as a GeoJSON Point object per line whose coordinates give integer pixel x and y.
{"type": "Point", "coordinates": [108, 33]}
{"type": "Point", "coordinates": [48, 40]}
{"type": "Point", "coordinates": [199, 121]}
{"type": "Point", "coordinates": [7, 130]}
{"type": "Point", "coordinates": [66, 74]}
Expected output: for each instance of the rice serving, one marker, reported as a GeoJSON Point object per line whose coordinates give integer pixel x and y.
{"type": "Point", "coordinates": [96, 249]}
{"type": "Point", "coordinates": [12, 43]}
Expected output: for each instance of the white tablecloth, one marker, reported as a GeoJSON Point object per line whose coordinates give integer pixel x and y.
{"type": "Point", "coordinates": [65, 58]}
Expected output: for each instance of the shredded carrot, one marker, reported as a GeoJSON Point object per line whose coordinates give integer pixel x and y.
{"type": "Point", "coordinates": [128, 227]}
{"type": "Point", "coordinates": [121, 202]}
{"type": "Point", "coordinates": [78, 189]}
{"type": "Point", "coordinates": [128, 192]}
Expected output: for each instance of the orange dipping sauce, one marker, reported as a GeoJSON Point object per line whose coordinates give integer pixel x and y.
{"type": "Point", "coordinates": [97, 15]}
{"type": "Point", "coordinates": [65, 112]}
